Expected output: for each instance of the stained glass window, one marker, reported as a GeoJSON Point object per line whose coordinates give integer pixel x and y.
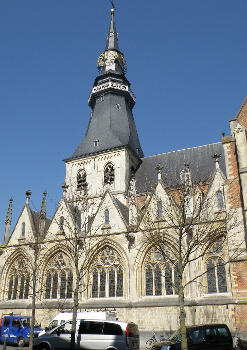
{"type": "Point", "coordinates": [22, 287]}
{"type": "Point", "coordinates": [15, 287]}
{"type": "Point", "coordinates": [119, 292]}
{"type": "Point", "coordinates": [18, 274]}
{"type": "Point", "coordinates": [107, 275]}
{"type": "Point", "coordinates": [48, 286]}
{"type": "Point", "coordinates": [69, 285]}
{"type": "Point", "coordinates": [149, 281]}
{"type": "Point", "coordinates": [160, 275]}
{"type": "Point", "coordinates": [157, 280]}
{"type": "Point", "coordinates": [10, 287]}
{"type": "Point", "coordinates": [102, 283]}
{"type": "Point", "coordinates": [211, 277]}
{"type": "Point", "coordinates": [27, 284]}
{"type": "Point", "coordinates": [112, 283]}
{"type": "Point", "coordinates": [63, 285]}
{"type": "Point", "coordinates": [95, 284]}
{"type": "Point", "coordinates": [59, 278]}
{"type": "Point", "coordinates": [216, 269]}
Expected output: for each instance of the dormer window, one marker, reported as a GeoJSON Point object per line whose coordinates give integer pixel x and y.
{"type": "Point", "coordinates": [107, 217]}
{"type": "Point", "coordinates": [23, 229]}
{"type": "Point", "coordinates": [109, 174]}
{"type": "Point", "coordinates": [96, 143]}
{"type": "Point", "coordinates": [220, 201]}
{"type": "Point", "coordinates": [159, 209]}
{"type": "Point", "coordinates": [81, 180]}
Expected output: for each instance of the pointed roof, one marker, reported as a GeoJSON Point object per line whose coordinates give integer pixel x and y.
{"type": "Point", "coordinates": [112, 37]}
{"type": "Point", "coordinates": [111, 125]}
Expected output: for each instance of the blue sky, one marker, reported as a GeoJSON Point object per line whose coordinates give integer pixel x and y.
{"type": "Point", "coordinates": [186, 62]}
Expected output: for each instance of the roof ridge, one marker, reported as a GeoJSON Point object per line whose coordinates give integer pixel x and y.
{"type": "Point", "coordinates": [183, 149]}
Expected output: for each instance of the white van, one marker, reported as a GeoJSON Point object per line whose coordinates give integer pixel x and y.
{"type": "Point", "coordinates": [91, 335]}
{"type": "Point", "coordinates": [67, 316]}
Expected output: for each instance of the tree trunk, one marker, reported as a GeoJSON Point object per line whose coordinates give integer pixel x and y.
{"type": "Point", "coordinates": [182, 317]}
{"type": "Point", "coordinates": [75, 308]}
{"type": "Point", "coordinates": [33, 306]}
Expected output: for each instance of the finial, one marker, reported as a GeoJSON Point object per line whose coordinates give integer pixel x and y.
{"type": "Point", "coordinates": [28, 195]}
{"type": "Point", "coordinates": [8, 221]}
{"type": "Point", "coordinates": [216, 157]}
{"type": "Point", "coordinates": [159, 168]}
{"type": "Point", "coordinates": [113, 7]}
{"type": "Point", "coordinates": [9, 212]}
{"type": "Point", "coordinates": [43, 205]}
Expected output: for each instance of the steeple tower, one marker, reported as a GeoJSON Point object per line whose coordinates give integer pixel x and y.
{"type": "Point", "coordinates": [111, 125]}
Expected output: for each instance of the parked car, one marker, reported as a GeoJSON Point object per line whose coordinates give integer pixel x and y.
{"type": "Point", "coordinates": [203, 337]}
{"type": "Point", "coordinates": [91, 334]}
{"type": "Point", "coordinates": [16, 329]}
{"type": "Point", "coordinates": [62, 317]}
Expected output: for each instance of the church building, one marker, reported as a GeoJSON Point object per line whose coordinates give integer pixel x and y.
{"type": "Point", "coordinates": [94, 243]}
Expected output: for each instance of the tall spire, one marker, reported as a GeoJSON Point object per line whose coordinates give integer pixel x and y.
{"type": "Point", "coordinates": [111, 124]}
{"type": "Point", "coordinates": [112, 60]}
{"type": "Point", "coordinates": [112, 37]}
{"type": "Point", "coordinates": [8, 221]}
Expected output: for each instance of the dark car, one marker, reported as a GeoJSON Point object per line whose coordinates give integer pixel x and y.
{"type": "Point", "coordinates": [203, 337]}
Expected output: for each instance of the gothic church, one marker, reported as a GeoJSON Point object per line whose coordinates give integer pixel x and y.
{"type": "Point", "coordinates": [113, 184]}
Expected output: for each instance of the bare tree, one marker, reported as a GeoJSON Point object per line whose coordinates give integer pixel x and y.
{"type": "Point", "coordinates": [78, 239]}
{"type": "Point", "coordinates": [182, 228]}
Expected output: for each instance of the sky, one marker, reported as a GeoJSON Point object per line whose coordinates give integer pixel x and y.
{"type": "Point", "coordinates": [186, 63]}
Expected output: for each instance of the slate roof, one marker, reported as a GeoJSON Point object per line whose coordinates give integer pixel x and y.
{"type": "Point", "coordinates": [123, 209]}
{"type": "Point", "coordinates": [200, 161]}
{"type": "Point", "coordinates": [113, 128]}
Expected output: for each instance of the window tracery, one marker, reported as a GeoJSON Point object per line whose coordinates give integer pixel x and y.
{"type": "Point", "coordinates": [18, 280]}
{"type": "Point", "coordinates": [161, 277]}
{"type": "Point", "coordinates": [59, 278]}
{"type": "Point", "coordinates": [81, 180]}
{"type": "Point", "coordinates": [109, 174]}
{"type": "Point", "coordinates": [216, 270]}
{"type": "Point", "coordinates": [107, 275]}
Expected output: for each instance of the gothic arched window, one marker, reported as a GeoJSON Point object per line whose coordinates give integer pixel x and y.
{"type": "Point", "coordinates": [107, 274]}
{"type": "Point", "coordinates": [23, 229]}
{"type": "Point", "coordinates": [216, 269]}
{"type": "Point", "coordinates": [109, 174]}
{"type": "Point", "coordinates": [81, 180]}
{"type": "Point", "coordinates": [61, 224]}
{"type": "Point", "coordinates": [160, 276]}
{"type": "Point", "coordinates": [216, 276]}
{"type": "Point", "coordinates": [18, 279]}
{"type": "Point", "coordinates": [107, 217]}
{"type": "Point", "coordinates": [159, 209]}
{"type": "Point", "coordinates": [220, 201]}
{"type": "Point", "coordinates": [59, 278]}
